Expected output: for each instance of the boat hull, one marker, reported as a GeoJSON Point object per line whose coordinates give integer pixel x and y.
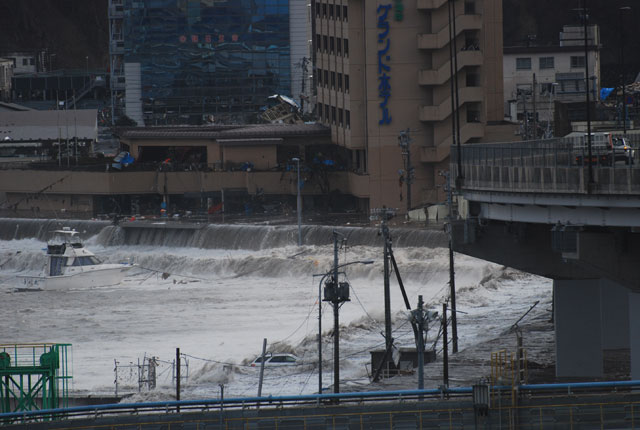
{"type": "Point", "coordinates": [97, 276]}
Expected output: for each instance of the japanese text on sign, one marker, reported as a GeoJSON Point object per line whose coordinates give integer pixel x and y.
{"type": "Point", "coordinates": [384, 70]}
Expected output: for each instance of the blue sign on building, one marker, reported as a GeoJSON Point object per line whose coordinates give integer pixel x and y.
{"type": "Point", "coordinates": [384, 69]}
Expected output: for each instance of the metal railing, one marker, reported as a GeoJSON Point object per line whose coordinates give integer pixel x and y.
{"type": "Point", "coordinates": [549, 166]}
{"type": "Point", "coordinates": [595, 405]}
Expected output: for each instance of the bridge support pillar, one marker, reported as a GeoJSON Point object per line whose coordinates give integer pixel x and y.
{"type": "Point", "coordinates": [578, 322]}
{"type": "Point", "coordinates": [615, 315]}
{"type": "Point", "coordinates": [634, 334]}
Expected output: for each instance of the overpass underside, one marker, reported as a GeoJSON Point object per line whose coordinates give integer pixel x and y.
{"type": "Point", "coordinates": [527, 205]}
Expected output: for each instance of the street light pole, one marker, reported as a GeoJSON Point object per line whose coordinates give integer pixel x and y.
{"type": "Point", "coordinates": [299, 202]}
{"type": "Point", "coordinates": [622, 77]}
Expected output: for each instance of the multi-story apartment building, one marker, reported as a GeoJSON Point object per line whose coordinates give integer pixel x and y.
{"type": "Point", "coordinates": [559, 73]}
{"type": "Point", "coordinates": [384, 67]}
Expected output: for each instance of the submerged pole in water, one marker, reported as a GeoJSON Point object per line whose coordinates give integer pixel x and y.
{"type": "Point", "coordinates": [178, 377]}
{"type": "Point", "coordinates": [264, 353]}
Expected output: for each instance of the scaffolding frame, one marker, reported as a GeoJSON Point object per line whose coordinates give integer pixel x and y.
{"type": "Point", "coordinates": [34, 376]}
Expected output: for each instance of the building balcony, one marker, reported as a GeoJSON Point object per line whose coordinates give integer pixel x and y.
{"type": "Point", "coordinates": [443, 73]}
{"type": "Point", "coordinates": [116, 48]}
{"type": "Point", "coordinates": [441, 111]}
{"type": "Point", "coordinates": [440, 39]}
{"type": "Point", "coordinates": [116, 11]}
{"type": "Point", "coordinates": [430, 4]}
{"type": "Point", "coordinates": [438, 153]}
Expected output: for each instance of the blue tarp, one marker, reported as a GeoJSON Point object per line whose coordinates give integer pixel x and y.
{"type": "Point", "coordinates": [604, 93]}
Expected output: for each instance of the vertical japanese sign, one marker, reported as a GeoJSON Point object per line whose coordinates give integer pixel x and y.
{"type": "Point", "coordinates": [384, 70]}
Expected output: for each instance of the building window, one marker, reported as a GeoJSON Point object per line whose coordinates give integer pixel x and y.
{"type": "Point", "coordinates": [346, 47]}
{"type": "Point", "coordinates": [332, 44]}
{"type": "Point", "coordinates": [473, 115]}
{"type": "Point", "coordinates": [326, 78]}
{"type": "Point", "coordinates": [333, 114]}
{"type": "Point", "coordinates": [319, 110]}
{"type": "Point", "coordinates": [345, 14]}
{"type": "Point", "coordinates": [340, 81]}
{"type": "Point", "coordinates": [331, 11]}
{"type": "Point", "coordinates": [338, 12]}
{"type": "Point", "coordinates": [324, 10]}
{"type": "Point", "coordinates": [339, 45]}
{"type": "Point", "coordinates": [546, 63]}
{"type": "Point", "coordinates": [318, 9]}
{"type": "Point", "coordinates": [340, 117]}
{"type": "Point", "coordinates": [318, 42]}
{"type": "Point", "coordinates": [320, 77]}
{"type": "Point", "coordinates": [577, 61]}
{"type": "Point", "coordinates": [523, 63]}
{"type": "Point", "coordinates": [546, 88]}
{"type": "Point", "coordinates": [473, 80]}
{"type": "Point", "coordinates": [326, 113]}
{"type": "Point", "coordinates": [325, 43]}
{"type": "Point", "coordinates": [346, 83]}
{"type": "Point", "coordinates": [347, 118]}
{"type": "Point", "coordinates": [24, 62]}
{"type": "Point", "coordinates": [523, 90]}
{"type": "Point", "coordinates": [333, 80]}
{"type": "Point", "coordinates": [469, 7]}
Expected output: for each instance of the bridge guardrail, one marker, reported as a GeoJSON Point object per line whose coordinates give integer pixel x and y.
{"type": "Point", "coordinates": [548, 166]}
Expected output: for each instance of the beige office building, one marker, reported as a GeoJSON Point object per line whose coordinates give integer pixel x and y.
{"type": "Point", "coordinates": [383, 66]}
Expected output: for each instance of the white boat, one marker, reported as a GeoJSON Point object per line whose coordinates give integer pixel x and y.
{"type": "Point", "coordinates": [70, 265]}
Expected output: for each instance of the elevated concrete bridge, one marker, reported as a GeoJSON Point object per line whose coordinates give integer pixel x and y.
{"type": "Point", "coordinates": [533, 207]}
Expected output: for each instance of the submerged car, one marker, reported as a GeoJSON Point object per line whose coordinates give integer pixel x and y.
{"type": "Point", "coordinates": [275, 360]}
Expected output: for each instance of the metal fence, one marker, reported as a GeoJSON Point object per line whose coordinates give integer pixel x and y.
{"type": "Point", "coordinates": [553, 406]}
{"type": "Point", "coordinates": [549, 166]}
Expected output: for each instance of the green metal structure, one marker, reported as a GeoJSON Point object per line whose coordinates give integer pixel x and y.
{"type": "Point", "coordinates": [34, 376]}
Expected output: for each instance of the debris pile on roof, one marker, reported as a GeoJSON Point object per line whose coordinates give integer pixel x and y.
{"type": "Point", "coordinates": [286, 111]}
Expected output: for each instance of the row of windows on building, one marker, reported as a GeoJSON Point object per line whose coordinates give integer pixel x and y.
{"type": "Point", "coordinates": [333, 80]}
{"type": "Point", "coordinates": [324, 10]}
{"type": "Point", "coordinates": [524, 63]}
{"type": "Point", "coordinates": [333, 45]}
{"type": "Point", "coordinates": [333, 115]}
{"type": "Point", "coordinates": [566, 83]}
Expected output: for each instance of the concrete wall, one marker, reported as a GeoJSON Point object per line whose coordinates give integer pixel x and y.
{"type": "Point", "coordinates": [263, 157]}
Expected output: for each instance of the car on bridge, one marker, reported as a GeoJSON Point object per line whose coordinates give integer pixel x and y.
{"type": "Point", "coordinates": [606, 150]}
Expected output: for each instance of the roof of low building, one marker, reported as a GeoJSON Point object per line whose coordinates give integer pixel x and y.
{"type": "Point", "coordinates": [225, 131]}
{"type": "Point", "coordinates": [49, 125]}
{"type": "Point", "coordinates": [511, 50]}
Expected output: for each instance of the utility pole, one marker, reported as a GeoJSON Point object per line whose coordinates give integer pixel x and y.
{"type": "Point", "coordinates": [420, 321]}
{"type": "Point", "coordinates": [404, 141]}
{"type": "Point", "coordinates": [535, 114]}
{"type": "Point", "coordinates": [622, 75]}
{"type": "Point", "coordinates": [66, 122]}
{"type": "Point", "coordinates": [336, 293]}
{"type": "Point", "coordinates": [75, 122]}
{"type": "Point", "coordinates": [59, 132]}
{"type": "Point", "coordinates": [264, 353]}
{"type": "Point", "coordinates": [452, 277]}
{"type": "Point", "coordinates": [178, 377]}
{"type": "Point", "coordinates": [336, 320]}
{"type": "Point", "coordinates": [585, 18]}
{"type": "Point", "coordinates": [445, 347]}
{"type": "Point", "coordinates": [525, 118]}
{"type": "Point", "coordinates": [384, 215]}
{"type": "Point", "coordinates": [387, 293]}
